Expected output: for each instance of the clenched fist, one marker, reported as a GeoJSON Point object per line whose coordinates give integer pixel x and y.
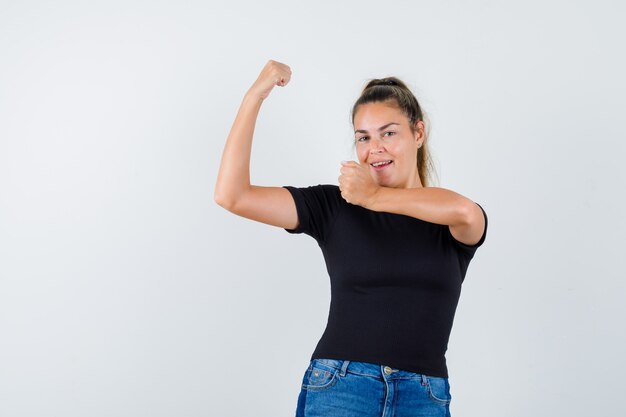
{"type": "Point", "coordinates": [356, 184]}
{"type": "Point", "coordinates": [274, 73]}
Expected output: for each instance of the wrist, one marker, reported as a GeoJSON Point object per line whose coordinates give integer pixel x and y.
{"type": "Point", "coordinates": [252, 97]}
{"type": "Point", "coordinates": [375, 198]}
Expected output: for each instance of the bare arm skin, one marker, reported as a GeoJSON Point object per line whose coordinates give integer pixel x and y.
{"type": "Point", "coordinates": [233, 190]}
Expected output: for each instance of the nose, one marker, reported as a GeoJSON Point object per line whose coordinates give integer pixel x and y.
{"type": "Point", "coordinates": [376, 145]}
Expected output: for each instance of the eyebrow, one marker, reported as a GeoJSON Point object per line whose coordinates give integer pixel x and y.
{"type": "Point", "coordinates": [379, 129]}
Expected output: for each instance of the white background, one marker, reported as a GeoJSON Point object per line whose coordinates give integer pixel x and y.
{"type": "Point", "coordinates": [126, 291]}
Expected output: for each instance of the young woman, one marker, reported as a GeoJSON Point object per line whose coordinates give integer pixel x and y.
{"type": "Point", "coordinates": [397, 251]}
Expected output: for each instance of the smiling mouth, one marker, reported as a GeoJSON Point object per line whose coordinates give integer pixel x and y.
{"type": "Point", "coordinates": [380, 167]}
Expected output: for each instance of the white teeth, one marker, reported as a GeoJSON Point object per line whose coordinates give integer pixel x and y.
{"type": "Point", "coordinates": [380, 163]}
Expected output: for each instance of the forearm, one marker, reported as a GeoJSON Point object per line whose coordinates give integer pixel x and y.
{"type": "Point", "coordinates": [233, 177]}
{"type": "Point", "coordinates": [431, 204]}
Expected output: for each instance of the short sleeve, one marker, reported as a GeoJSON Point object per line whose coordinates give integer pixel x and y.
{"type": "Point", "coordinates": [317, 206]}
{"type": "Point", "coordinates": [469, 250]}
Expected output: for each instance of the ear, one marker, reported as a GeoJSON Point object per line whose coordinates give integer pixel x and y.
{"type": "Point", "coordinates": [419, 130]}
{"type": "Point", "coordinates": [416, 131]}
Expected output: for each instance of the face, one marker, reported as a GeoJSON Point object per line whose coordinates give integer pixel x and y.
{"type": "Point", "coordinates": [382, 133]}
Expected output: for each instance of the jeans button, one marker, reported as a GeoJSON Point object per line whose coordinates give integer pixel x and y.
{"type": "Point", "coordinates": [387, 370]}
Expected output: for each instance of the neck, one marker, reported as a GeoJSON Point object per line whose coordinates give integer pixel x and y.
{"type": "Point", "coordinates": [414, 181]}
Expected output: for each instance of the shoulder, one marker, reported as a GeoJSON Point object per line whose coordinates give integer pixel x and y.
{"type": "Point", "coordinates": [326, 190]}
{"type": "Point", "coordinates": [316, 196]}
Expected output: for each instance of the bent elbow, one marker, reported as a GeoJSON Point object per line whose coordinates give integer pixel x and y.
{"type": "Point", "coordinates": [222, 201]}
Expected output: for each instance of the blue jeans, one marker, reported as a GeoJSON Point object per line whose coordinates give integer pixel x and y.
{"type": "Point", "coordinates": [342, 388]}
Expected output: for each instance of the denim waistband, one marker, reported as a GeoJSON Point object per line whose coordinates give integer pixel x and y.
{"type": "Point", "coordinates": [368, 369]}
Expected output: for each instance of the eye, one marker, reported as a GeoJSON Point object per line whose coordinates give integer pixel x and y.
{"type": "Point", "coordinates": [365, 137]}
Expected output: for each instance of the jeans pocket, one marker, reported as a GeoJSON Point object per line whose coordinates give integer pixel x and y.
{"type": "Point", "coordinates": [439, 389]}
{"type": "Point", "coordinates": [319, 376]}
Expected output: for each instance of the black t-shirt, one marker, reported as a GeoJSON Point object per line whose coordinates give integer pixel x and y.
{"type": "Point", "coordinates": [395, 281]}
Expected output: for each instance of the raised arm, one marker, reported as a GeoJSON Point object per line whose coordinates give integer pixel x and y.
{"type": "Point", "coordinates": [233, 190]}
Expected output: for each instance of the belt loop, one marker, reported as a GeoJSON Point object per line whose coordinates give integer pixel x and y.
{"type": "Point", "coordinates": [344, 366]}
{"type": "Point", "coordinates": [424, 380]}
